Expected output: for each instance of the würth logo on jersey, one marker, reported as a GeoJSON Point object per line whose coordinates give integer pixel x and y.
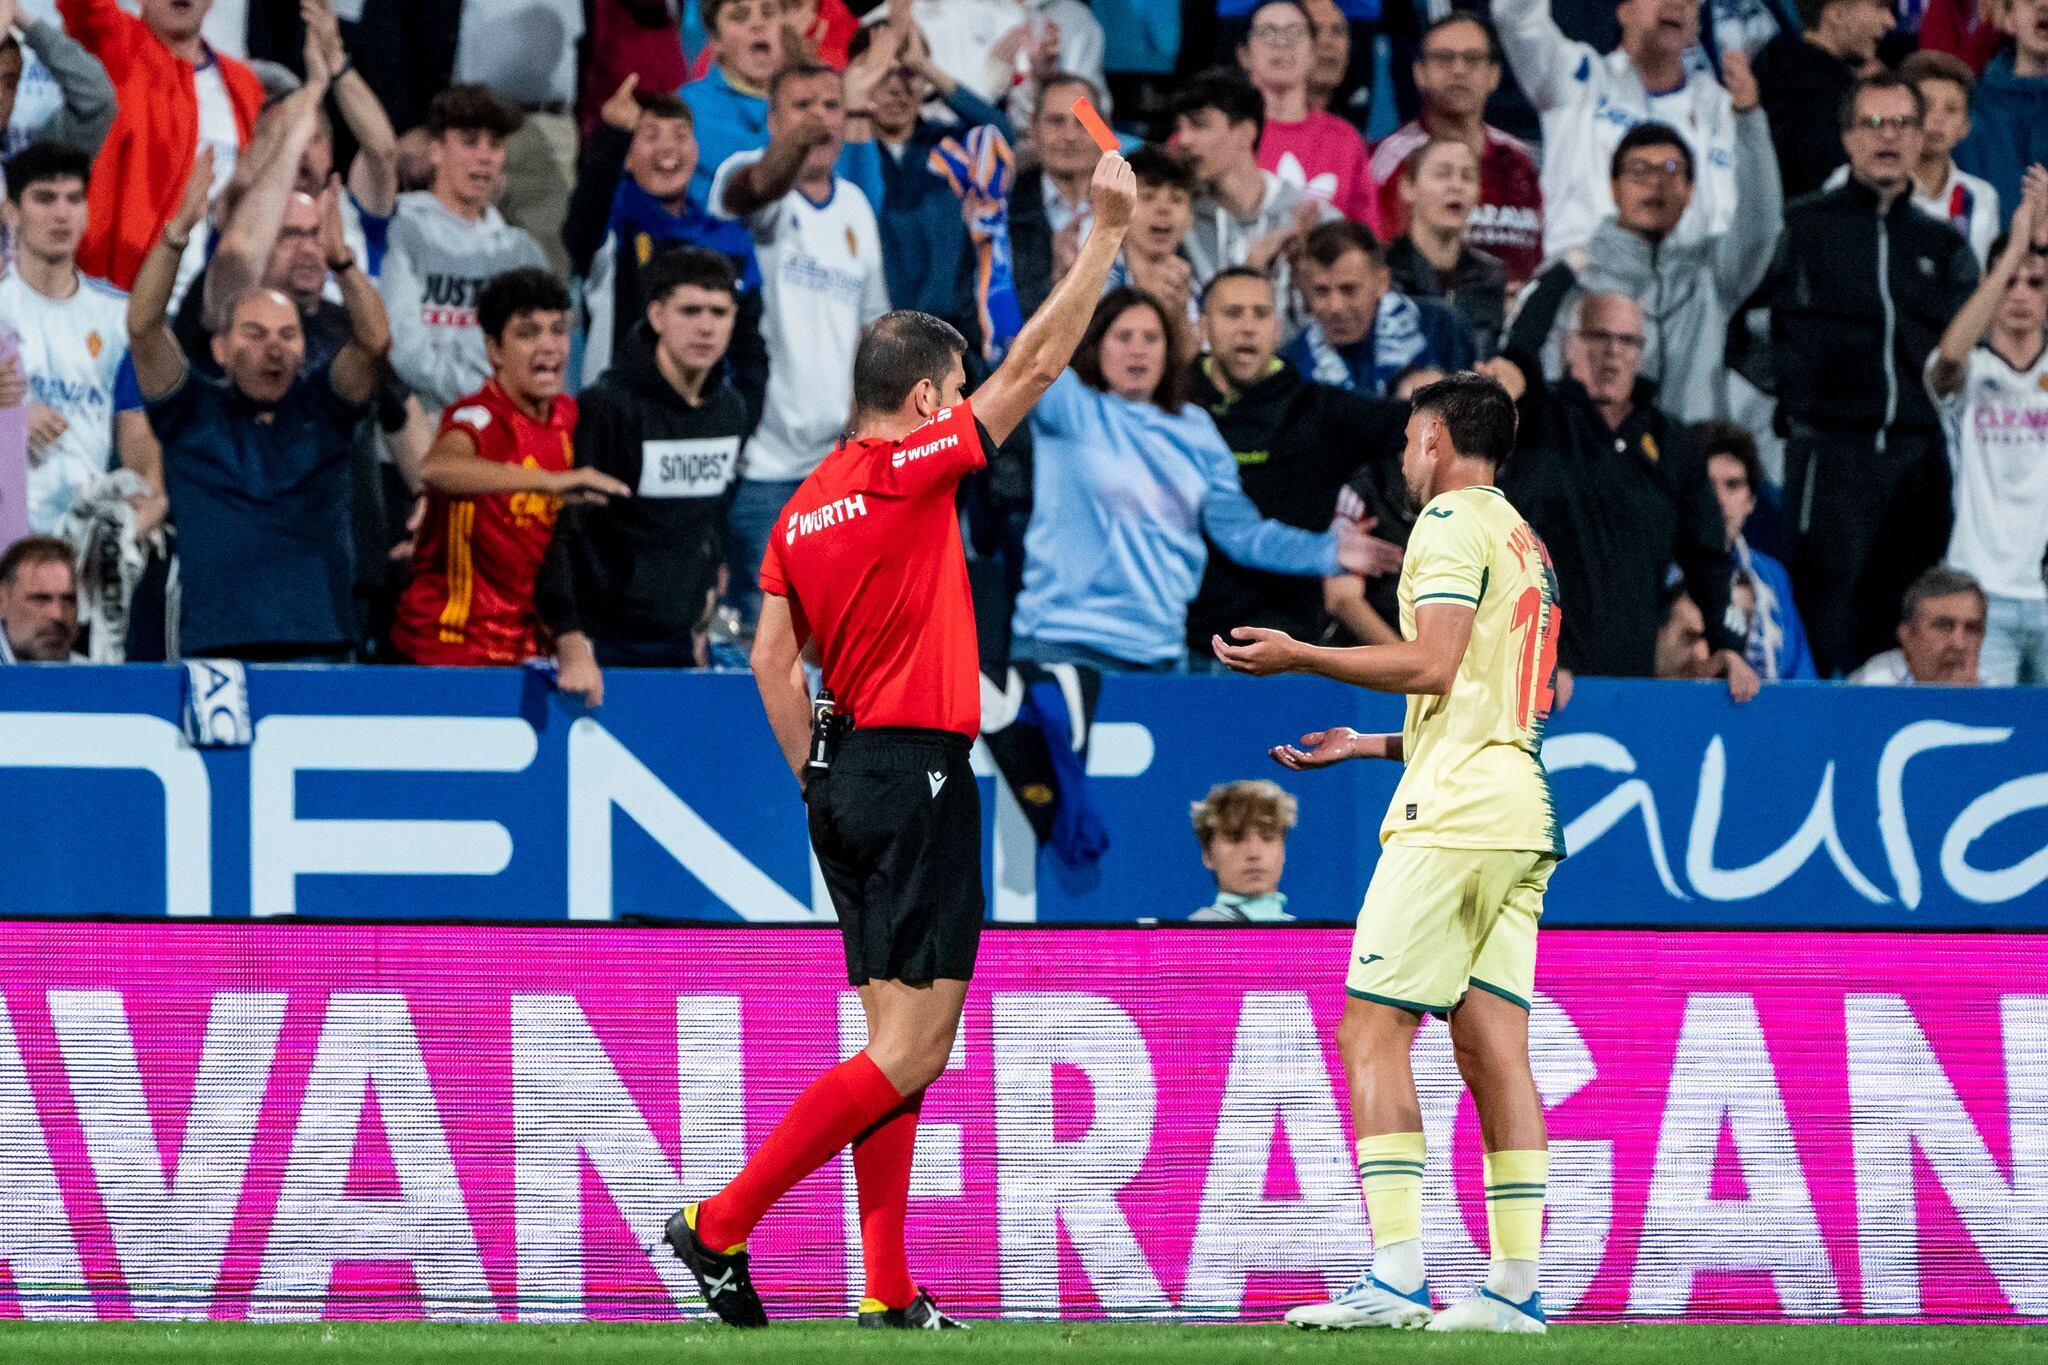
{"type": "Point", "coordinates": [831, 514]}
{"type": "Point", "coordinates": [904, 457]}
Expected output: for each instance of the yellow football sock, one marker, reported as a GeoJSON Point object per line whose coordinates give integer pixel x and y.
{"type": "Point", "coordinates": [1390, 1169]}
{"type": "Point", "coordinates": [1514, 1203]}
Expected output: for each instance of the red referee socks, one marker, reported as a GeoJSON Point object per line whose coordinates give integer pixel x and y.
{"type": "Point", "coordinates": [881, 1168]}
{"type": "Point", "coordinates": [833, 1110]}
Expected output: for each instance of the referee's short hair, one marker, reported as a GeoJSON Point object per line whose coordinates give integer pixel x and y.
{"type": "Point", "coordinates": [1477, 413]}
{"type": "Point", "coordinates": [899, 349]}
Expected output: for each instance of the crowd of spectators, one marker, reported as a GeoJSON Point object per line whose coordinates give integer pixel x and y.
{"type": "Point", "coordinates": [474, 332]}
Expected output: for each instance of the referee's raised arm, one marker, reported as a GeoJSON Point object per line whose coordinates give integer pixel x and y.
{"type": "Point", "coordinates": [1048, 340]}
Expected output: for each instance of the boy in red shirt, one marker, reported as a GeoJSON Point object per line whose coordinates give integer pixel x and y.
{"type": "Point", "coordinates": [496, 476]}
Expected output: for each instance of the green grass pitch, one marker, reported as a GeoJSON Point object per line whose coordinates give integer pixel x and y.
{"type": "Point", "coordinates": [843, 1344]}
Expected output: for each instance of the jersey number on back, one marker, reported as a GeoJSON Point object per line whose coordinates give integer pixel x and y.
{"type": "Point", "coordinates": [1529, 669]}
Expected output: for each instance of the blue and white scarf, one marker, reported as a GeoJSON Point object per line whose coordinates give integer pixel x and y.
{"type": "Point", "coordinates": [1397, 342]}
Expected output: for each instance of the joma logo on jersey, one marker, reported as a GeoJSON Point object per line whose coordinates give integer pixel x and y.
{"type": "Point", "coordinates": [904, 457]}
{"type": "Point", "coordinates": [831, 514]}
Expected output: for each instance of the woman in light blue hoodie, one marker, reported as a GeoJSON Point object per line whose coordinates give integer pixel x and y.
{"type": "Point", "coordinates": [1127, 477]}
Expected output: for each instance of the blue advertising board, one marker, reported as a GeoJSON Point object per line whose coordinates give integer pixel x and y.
{"type": "Point", "coordinates": [482, 795]}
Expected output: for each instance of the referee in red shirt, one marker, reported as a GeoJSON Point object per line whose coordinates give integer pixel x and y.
{"type": "Point", "coordinates": [867, 565]}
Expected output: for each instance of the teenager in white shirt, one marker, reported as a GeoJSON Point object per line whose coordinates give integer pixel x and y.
{"type": "Point", "coordinates": [1993, 400]}
{"type": "Point", "coordinates": [821, 285]}
{"type": "Point", "coordinates": [84, 407]}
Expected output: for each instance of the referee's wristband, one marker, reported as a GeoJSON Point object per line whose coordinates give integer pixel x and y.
{"type": "Point", "coordinates": [348, 64]}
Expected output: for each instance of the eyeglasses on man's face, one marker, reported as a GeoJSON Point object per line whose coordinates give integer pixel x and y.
{"type": "Point", "coordinates": [1611, 341]}
{"type": "Point", "coordinates": [1641, 172]}
{"type": "Point", "coordinates": [1283, 35]}
{"type": "Point", "coordinates": [1877, 123]}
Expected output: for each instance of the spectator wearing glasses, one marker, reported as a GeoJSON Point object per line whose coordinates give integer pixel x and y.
{"type": "Point", "coordinates": [1618, 491]}
{"type": "Point", "coordinates": [1457, 69]}
{"type": "Point", "coordinates": [1989, 380]}
{"type": "Point", "coordinates": [1313, 151]}
{"type": "Point", "coordinates": [1688, 289]}
{"type": "Point", "coordinates": [1965, 202]}
{"type": "Point", "coordinates": [1855, 312]}
{"type": "Point", "coordinates": [2009, 129]}
{"type": "Point", "coordinates": [1940, 634]}
{"type": "Point", "coordinates": [1588, 102]}
{"type": "Point", "coordinates": [1434, 258]}
{"type": "Point", "coordinates": [1805, 76]}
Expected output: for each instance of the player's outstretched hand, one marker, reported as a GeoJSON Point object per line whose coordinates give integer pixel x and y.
{"type": "Point", "coordinates": [1319, 749]}
{"type": "Point", "coordinates": [1113, 192]}
{"type": "Point", "coordinates": [1256, 651]}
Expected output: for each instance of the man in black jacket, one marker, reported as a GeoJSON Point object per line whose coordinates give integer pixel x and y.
{"type": "Point", "coordinates": [631, 583]}
{"type": "Point", "coordinates": [1859, 293]}
{"type": "Point", "coordinates": [1617, 489]}
{"type": "Point", "coordinates": [1297, 442]}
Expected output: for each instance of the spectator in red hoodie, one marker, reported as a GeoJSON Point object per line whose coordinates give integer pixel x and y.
{"type": "Point", "coordinates": [176, 95]}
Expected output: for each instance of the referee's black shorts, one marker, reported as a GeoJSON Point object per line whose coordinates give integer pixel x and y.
{"type": "Point", "coordinates": [896, 824]}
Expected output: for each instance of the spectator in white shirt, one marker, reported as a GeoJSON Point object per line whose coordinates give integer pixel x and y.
{"type": "Point", "coordinates": [821, 283]}
{"type": "Point", "coordinates": [84, 407]}
{"type": "Point", "coordinates": [1941, 634]}
{"type": "Point", "coordinates": [1587, 101]}
{"type": "Point", "coordinates": [1993, 401]}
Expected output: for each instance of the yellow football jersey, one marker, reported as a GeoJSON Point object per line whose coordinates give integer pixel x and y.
{"type": "Point", "coordinates": [1474, 773]}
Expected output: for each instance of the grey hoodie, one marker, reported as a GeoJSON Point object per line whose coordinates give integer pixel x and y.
{"type": "Point", "coordinates": [1690, 288]}
{"type": "Point", "coordinates": [436, 265]}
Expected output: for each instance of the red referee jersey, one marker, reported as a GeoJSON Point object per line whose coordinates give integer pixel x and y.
{"type": "Point", "coordinates": [869, 556]}
{"type": "Point", "coordinates": [471, 596]}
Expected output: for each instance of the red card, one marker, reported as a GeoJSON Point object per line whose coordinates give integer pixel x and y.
{"type": "Point", "coordinates": [1097, 129]}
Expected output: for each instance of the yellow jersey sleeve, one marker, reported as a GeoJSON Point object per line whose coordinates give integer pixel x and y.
{"type": "Point", "coordinates": [1448, 554]}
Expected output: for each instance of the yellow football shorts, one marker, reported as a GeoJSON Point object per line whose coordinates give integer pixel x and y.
{"type": "Point", "coordinates": [1437, 920]}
